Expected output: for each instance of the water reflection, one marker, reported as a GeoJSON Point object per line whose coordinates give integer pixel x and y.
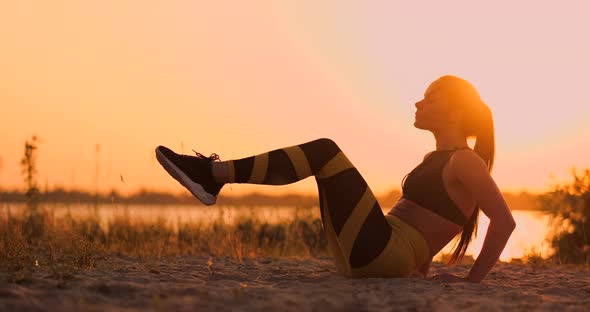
{"type": "Point", "coordinates": [529, 234]}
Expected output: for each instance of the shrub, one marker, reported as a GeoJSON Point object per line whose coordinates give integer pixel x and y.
{"type": "Point", "coordinates": [569, 206]}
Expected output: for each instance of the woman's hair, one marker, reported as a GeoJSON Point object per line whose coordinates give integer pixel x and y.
{"type": "Point", "coordinates": [477, 122]}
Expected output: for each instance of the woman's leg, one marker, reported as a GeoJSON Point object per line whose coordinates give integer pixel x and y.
{"type": "Point", "coordinates": [355, 226]}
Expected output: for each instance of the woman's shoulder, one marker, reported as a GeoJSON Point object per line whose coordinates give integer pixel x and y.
{"type": "Point", "coordinates": [467, 160]}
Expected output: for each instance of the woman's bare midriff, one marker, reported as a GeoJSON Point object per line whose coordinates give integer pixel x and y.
{"type": "Point", "coordinates": [437, 231]}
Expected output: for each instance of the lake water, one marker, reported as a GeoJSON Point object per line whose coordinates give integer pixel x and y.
{"type": "Point", "coordinates": [530, 233]}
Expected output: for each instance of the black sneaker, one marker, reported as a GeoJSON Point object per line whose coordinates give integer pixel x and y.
{"type": "Point", "coordinates": [192, 172]}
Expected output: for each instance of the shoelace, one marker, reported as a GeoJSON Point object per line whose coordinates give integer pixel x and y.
{"type": "Point", "coordinates": [213, 156]}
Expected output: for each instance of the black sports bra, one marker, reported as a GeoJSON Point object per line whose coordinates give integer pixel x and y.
{"type": "Point", "coordinates": [424, 186]}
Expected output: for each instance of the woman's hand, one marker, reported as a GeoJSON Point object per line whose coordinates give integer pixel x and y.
{"type": "Point", "coordinates": [448, 278]}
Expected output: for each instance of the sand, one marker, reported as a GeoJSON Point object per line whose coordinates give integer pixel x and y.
{"type": "Point", "coordinates": [192, 283]}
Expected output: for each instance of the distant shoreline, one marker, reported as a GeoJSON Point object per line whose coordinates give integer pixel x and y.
{"type": "Point", "coordinates": [516, 201]}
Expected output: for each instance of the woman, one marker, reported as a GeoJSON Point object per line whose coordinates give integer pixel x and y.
{"type": "Point", "coordinates": [441, 197]}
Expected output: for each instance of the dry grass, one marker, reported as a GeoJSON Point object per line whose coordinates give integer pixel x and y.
{"type": "Point", "coordinates": [37, 237]}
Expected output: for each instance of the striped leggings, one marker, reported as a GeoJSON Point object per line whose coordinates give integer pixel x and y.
{"type": "Point", "coordinates": [361, 239]}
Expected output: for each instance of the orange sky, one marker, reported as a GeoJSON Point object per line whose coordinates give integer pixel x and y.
{"type": "Point", "coordinates": [239, 78]}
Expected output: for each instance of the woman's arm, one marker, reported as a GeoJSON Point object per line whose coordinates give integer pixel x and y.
{"type": "Point", "coordinates": [471, 171]}
{"type": "Point", "coordinates": [493, 244]}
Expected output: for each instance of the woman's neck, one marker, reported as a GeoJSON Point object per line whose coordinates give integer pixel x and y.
{"type": "Point", "coordinates": [450, 141]}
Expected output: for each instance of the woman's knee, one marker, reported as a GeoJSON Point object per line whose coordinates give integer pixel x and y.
{"type": "Point", "coordinates": [319, 152]}
{"type": "Point", "coordinates": [326, 144]}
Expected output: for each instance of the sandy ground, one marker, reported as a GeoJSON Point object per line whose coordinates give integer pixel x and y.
{"type": "Point", "coordinates": [284, 284]}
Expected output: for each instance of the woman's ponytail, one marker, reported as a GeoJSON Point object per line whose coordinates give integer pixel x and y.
{"type": "Point", "coordinates": [477, 122]}
{"type": "Point", "coordinates": [485, 144]}
{"type": "Point", "coordinates": [482, 126]}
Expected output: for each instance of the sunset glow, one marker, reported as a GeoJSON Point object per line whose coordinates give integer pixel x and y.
{"type": "Point", "coordinates": [103, 83]}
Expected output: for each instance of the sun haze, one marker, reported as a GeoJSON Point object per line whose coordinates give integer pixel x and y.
{"type": "Point", "coordinates": [103, 83]}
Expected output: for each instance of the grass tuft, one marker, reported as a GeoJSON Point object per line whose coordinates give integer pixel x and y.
{"type": "Point", "coordinates": [29, 240]}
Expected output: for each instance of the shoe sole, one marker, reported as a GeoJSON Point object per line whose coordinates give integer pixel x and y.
{"type": "Point", "coordinates": [195, 188]}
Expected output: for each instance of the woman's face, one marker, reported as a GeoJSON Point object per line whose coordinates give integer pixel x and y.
{"type": "Point", "coordinates": [434, 112]}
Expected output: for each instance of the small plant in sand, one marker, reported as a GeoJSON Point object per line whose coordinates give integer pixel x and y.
{"type": "Point", "coordinates": [533, 257]}
{"type": "Point", "coordinates": [569, 205]}
{"type": "Point", "coordinates": [29, 168]}
{"type": "Point", "coordinates": [34, 226]}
